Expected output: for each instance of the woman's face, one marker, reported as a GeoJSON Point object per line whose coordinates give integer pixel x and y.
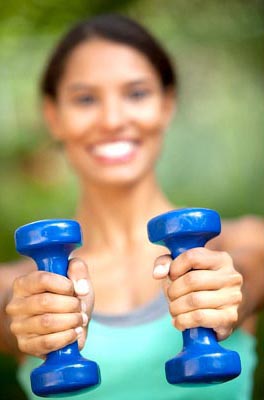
{"type": "Point", "coordinates": [110, 112]}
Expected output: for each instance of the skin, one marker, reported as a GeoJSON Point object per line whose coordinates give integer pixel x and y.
{"type": "Point", "coordinates": [101, 102]}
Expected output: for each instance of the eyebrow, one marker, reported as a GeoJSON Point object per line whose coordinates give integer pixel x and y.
{"type": "Point", "coordinates": [83, 86]}
{"type": "Point", "coordinates": [78, 86]}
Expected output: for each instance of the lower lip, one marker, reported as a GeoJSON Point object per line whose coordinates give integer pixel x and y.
{"type": "Point", "coordinates": [126, 158]}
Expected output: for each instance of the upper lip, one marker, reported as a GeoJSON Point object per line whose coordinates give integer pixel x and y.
{"type": "Point", "coordinates": [112, 140]}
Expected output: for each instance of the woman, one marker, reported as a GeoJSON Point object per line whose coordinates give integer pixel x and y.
{"type": "Point", "coordinates": [108, 96]}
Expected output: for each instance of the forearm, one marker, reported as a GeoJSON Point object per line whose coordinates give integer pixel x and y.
{"type": "Point", "coordinates": [243, 239]}
{"type": "Point", "coordinates": [250, 263]}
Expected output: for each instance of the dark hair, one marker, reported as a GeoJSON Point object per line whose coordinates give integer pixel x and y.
{"type": "Point", "coordinates": [116, 28]}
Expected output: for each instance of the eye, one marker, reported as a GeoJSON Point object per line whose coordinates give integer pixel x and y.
{"type": "Point", "coordinates": [85, 99]}
{"type": "Point", "coordinates": [138, 94]}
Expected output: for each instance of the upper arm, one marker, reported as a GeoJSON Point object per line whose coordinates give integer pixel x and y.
{"type": "Point", "coordinates": [243, 239]}
{"type": "Point", "coordinates": [241, 233]}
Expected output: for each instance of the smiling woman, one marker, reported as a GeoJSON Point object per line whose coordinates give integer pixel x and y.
{"type": "Point", "coordinates": [111, 117]}
{"type": "Point", "coordinates": [108, 96]}
{"type": "Point", "coordinates": [117, 111]}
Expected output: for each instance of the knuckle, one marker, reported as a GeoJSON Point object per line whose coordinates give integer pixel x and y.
{"type": "Point", "coordinates": [223, 333]}
{"type": "Point", "coordinates": [25, 346]}
{"type": "Point", "coordinates": [10, 309]}
{"type": "Point", "coordinates": [190, 279]}
{"type": "Point", "coordinates": [44, 301]}
{"type": "Point", "coordinates": [239, 279]}
{"type": "Point", "coordinates": [233, 315]}
{"type": "Point", "coordinates": [178, 322]}
{"type": "Point", "coordinates": [236, 279]}
{"type": "Point", "coordinates": [237, 297]}
{"type": "Point", "coordinates": [190, 256]}
{"type": "Point", "coordinates": [226, 257]}
{"type": "Point", "coordinates": [22, 344]}
{"type": "Point", "coordinates": [46, 321]}
{"type": "Point", "coordinates": [172, 309]}
{"type": "Point", "coordinates": [193, 299]}
{"type": "Point", "coordinates": [72, 336]}
{"type": "Point", "coordinates": [170, 292]}
{"type": "Point", "coordinates": [230, 318]}
{"type": "Point", "coordinates": [198, 317]}
{"type": "Point", "coordinates": [193, 256]}
{"type": "Point", "coordinates": [46, 343]}
{"type": "Point", "coordinates": [43, 278]}
{"type": "Point", "coordinates": [17, 284]}
{"type": "Point", "coordinates": [13, 327]}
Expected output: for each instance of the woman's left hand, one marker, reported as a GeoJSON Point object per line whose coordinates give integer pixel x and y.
{"type": "Point", "coordinates": [203, 289]}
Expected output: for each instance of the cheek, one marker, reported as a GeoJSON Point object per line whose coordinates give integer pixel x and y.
{"type": "Point", "coordinates": [75, 124]}
{"type": "Point", "coordinates": [149, 116]}
{"type": "Point", "coordinates": [76, 155]}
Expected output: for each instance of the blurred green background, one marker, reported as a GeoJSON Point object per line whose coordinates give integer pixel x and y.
{"type": "Point", "coordinates": [213, 153]}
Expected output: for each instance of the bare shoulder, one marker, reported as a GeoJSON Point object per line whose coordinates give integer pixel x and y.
{"type": "Point", "coordinates": [246, 231]}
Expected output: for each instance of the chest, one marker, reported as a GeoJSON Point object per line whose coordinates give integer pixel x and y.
{"type": "Point", "coordinates": [122, 280]}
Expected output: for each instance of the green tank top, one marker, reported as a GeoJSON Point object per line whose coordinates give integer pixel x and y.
{"type": "Point", "coordinates": [131, 359]}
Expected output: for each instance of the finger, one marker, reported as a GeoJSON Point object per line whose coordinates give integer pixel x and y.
{"type": "Point", "coordinates": [79, 274]}
{"type": "Point", "coordinates": [194, 281]}
{"type": "Point", "coordinates": [82, 338]}
{"type": "Point", "coordinates": [48, 323]}
{"type": "Point", "coordinates": [223, 333]}
{"type": "Point", "coordinates": [44, 303]}
{"type": "Point", "coordinates": [222, 319]}
{"type": "Point", "coordinates": [44, 344]}
{"type": "Point", "coordinates": [198, 258]}
{"type": "Point", "coordinates": [204, 300]}
{"type": "Point", "coordinates": [42, 281]}
{"type": "Point", "coordinates": [200, 280]}
{"type": "Point", "coordinates": [162, 266]}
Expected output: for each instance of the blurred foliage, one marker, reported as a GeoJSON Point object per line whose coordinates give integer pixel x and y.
{"type": "Point", "coordinates": [47, 16]}
{"type": "Point", "coordinates": [213, 152]}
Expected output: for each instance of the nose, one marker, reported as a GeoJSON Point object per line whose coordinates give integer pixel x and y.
{"type": "Point", "coordinates": [113, 116]}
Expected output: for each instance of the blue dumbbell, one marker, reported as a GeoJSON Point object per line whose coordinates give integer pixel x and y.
{"type": "Point", "coordinates": [50, 243]}
{"type": "Point", "coordinates": [202, 360]}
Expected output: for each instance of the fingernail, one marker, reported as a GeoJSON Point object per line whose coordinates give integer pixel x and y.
{"type": "Point", "coordinates": [81, 287]}
{"type": "Point", "coordinates": [79, 331]}
{"type": "Point", "coordinates": [85, 318]}
{"type": "Point", "coordinates": [83, 306]}
{"type": "Point", "coordinates": [161, 270]}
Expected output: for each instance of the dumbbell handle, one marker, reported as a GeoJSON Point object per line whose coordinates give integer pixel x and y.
{"type": "Point", "coordinates": [178, 245]}
{"type": "Point", "coordinates": [55, 260]}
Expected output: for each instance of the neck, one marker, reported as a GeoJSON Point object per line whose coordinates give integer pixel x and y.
{"type": "Point", "coordinates": [117, 216]}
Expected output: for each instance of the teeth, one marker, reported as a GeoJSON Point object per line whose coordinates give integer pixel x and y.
{"type": "Point", "coordinates": [114, 150]}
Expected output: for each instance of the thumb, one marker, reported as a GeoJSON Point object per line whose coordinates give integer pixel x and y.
{"type": "Point", "coordinates": [161, 270]}
{"type": "Point", "coordinates": [79, 275]}
{"type": "Point", "coordinates": [162, 266]}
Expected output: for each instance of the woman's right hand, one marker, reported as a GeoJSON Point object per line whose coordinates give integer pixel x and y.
{"type": "Point", "coordinates": [49, 311]}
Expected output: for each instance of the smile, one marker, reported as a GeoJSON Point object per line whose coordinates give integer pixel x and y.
{"type": "Point", "coordinates": [117, 151]}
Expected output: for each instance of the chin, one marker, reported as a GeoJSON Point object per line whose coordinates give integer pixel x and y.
{"type": "Point", "coordinates": [124, 177]}
{"type": "Point", "coordinates": [117, 181]}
